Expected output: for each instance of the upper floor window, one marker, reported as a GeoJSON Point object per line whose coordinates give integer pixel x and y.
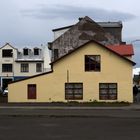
{"type": "Point", "coordinates": [36, 51]}
{"type": "Point", "coordinates": [7, 67]}
{"type": "Point", "coordinates": [92, 62]}
{"type": "Point", "coordinates": [25, 67]}
{"type": "Point", "coordinates": [38, 67]}
{"type": "Point", "coordinates": [25, 51]}
{"type": "Point", "coordinates": [55, 54]}
{"type": "Point", "coordinates": [7, 53]}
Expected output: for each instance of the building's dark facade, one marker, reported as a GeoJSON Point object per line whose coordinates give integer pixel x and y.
{"type": "Point", "coordinates": [107, 33]}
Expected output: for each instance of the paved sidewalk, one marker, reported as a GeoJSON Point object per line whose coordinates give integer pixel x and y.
{"type": "Point", "coordinates": [135, 106]}
{"type": "Point", "coordinates": [132, 111]}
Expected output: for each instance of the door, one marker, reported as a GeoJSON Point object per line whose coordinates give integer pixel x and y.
{"type": "Point", "coordinates": [32, 91]}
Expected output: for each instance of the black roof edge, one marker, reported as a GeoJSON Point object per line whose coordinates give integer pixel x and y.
{"type": "Point", "coordinates": [69, 26]}
{"type": "Point", "coordinates": [61, 28]}
{"type": "Point", "coordinates": [96, 43]}
{"type": "Point", "coordinates": [32, 77]}
{"type": "Point", "coordinates": [9, 45]}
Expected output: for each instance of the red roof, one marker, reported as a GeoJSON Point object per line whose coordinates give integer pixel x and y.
{"type": "Point", "coordinates": [124, 50]}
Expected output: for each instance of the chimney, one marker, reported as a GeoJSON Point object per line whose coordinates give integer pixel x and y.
{"type": "Point", "coordinates": [80, 18]}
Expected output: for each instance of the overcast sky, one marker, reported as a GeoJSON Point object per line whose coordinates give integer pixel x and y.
{"type": "Point", "coordinates": [30, 22]}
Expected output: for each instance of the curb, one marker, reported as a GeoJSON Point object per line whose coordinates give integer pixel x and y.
{"type": "Point", "coordinates": [67, 108]}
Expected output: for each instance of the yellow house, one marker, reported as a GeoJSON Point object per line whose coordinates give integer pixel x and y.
{"type": "Point", "coordinates": [90, 72]}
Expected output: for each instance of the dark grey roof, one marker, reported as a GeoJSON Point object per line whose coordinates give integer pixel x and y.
{"type": "Point", "coordinates": [110, 24]}
{"type": "Point", "coordinates": [102, 24]}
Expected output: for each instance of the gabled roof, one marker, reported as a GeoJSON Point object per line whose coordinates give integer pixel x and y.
{"type": "Point", "coordinates": [8, 45]}
{"type": "Point", "coordinates": [31, 77]}
{"type": "Point", "coordinates": [102, 24]}
{"type": "Point", "coordinates": [93, 41]}
{"type": "Point", "coordinates": [124, 50]}
{"type": "Point", "coordinates": [83, 31]}
{"type": "Point", "coordinates": [133, 63]}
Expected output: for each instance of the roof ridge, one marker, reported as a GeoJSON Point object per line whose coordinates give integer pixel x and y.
{"type": "Point", "coordinates": [98, 44]}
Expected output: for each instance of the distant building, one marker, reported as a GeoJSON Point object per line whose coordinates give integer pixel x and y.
{"type": "Point", "coordinates": [114, 28]}
{"type": "Point", "coordinates": [19, 64]}
{"type": "Point", "coordinates": [68, 38]}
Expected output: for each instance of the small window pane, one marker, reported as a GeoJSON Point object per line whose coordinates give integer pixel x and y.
{"type": "Point", "coordinates": [112, 91]}
{"type": "Point", "coordinates": [69, 91]}
{"type": "Point", "coordinates": [103, 91]}
{"type": "Point", "coordinates": [112, 85]}
{"type": "Point", "coordinates": [78, 85]}
{"type": "Point", "coordinates": [77, 91]}
{"type": "Point", "coordinates": [69, 85]}
{"type": "Point", "coordinates": [103, 85]}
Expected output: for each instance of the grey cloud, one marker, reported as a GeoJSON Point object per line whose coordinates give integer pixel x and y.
{"type": "Point", "coordinates": [73, 12]}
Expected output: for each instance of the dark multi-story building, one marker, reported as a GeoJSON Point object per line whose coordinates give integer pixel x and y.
{"type": "Point", "coordinates": [68, 38]}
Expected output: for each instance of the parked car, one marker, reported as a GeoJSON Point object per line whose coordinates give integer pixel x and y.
{"type": "Point", "coordinates": [5, 92]}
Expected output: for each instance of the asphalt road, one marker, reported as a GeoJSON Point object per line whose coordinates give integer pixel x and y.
{"type": "Point", "coordinates": [69, 112]}
{"type": "Point", "coordinates": [69, 128]}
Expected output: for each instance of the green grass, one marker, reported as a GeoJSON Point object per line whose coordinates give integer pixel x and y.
{"type": "Point", "coordinates": [93, 103]}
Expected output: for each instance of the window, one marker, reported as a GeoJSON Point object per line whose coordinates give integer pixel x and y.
{"type": "Point", "coordinates": [38, 67]}
{"type": "Point", "coordinates": [108, 91]}
{"type": "Point", "coordinates": [73, 91]}
{"type": "Point", "coordinates": [92, 63]}
{"type": "Point", "coordinates": [36, 51]}
{"type": "Point", "coordinates": [6, 67]}
{"type": "Point", "coordinates": [55, 54]}
{"type": "Point", "coordinates": [25, 51]}
{"type": "Point", "coordinates": [25, 67]}
{"type": "Point", "coordinates": [32, 91]}
{"type": "Point", "coordinates": [7, 53]}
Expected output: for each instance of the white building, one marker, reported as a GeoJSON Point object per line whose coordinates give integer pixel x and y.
{"type": "Point", "coordinates": [16, 65]}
